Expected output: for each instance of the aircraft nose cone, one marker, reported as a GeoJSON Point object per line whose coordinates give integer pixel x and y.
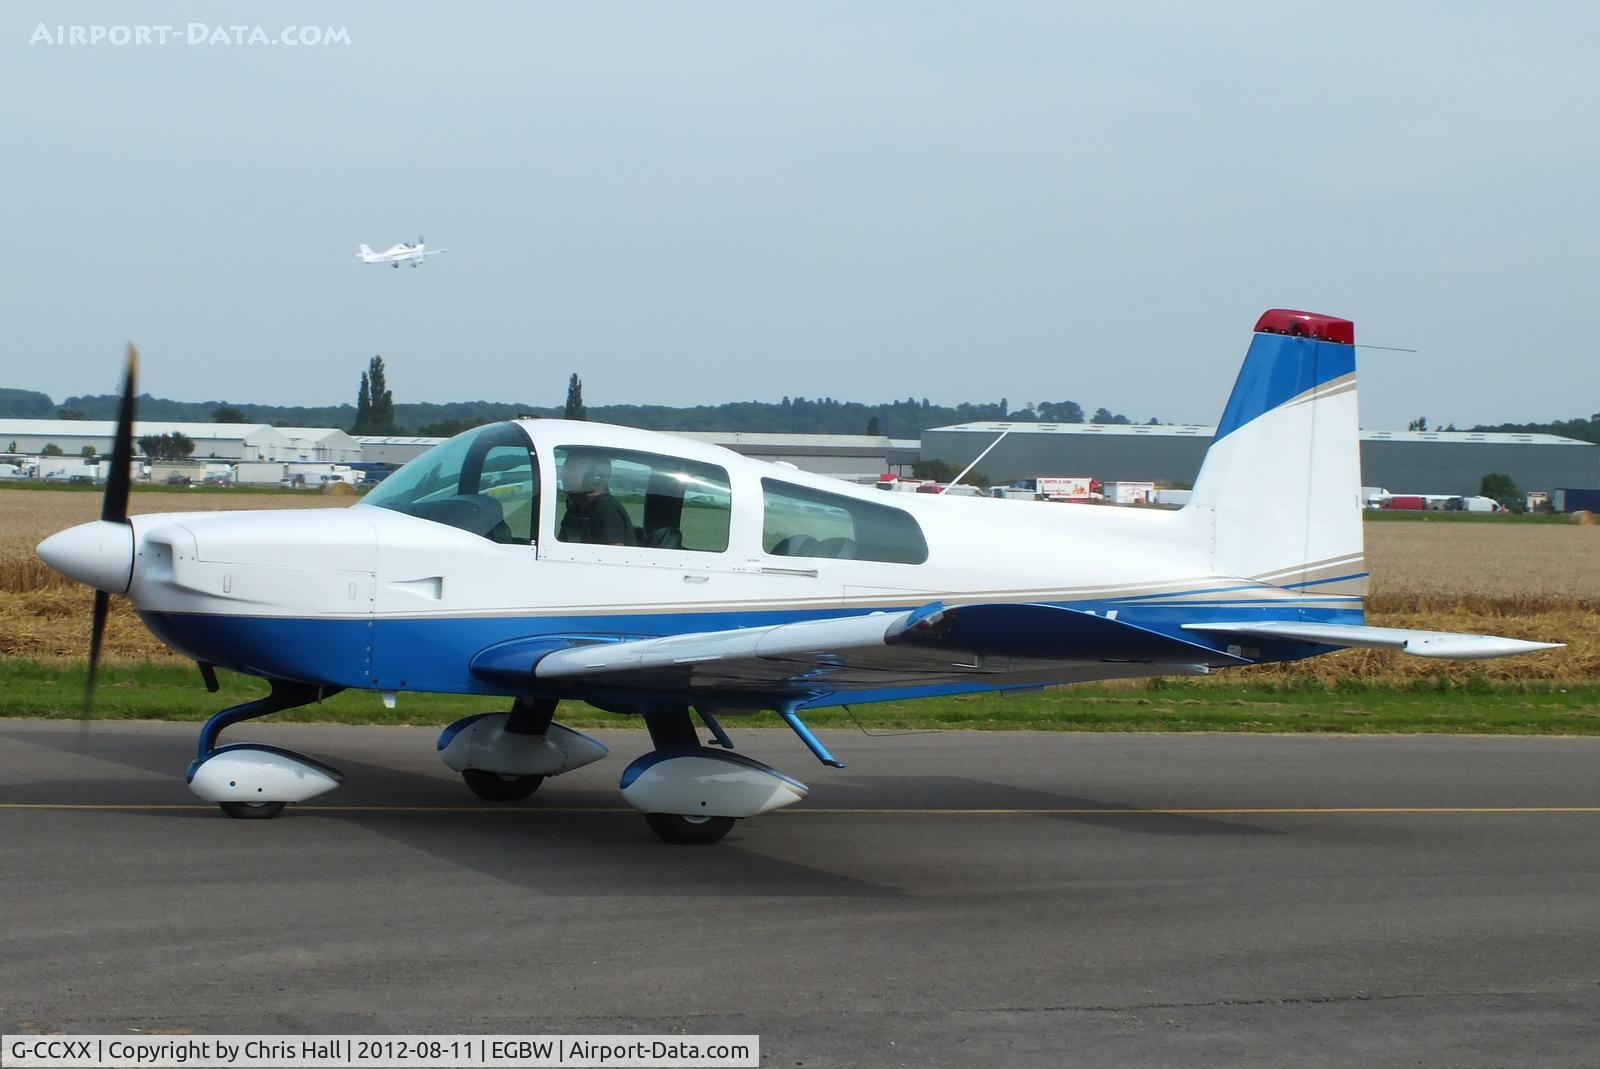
{"type": "Point", "coordinates": [99, 554]}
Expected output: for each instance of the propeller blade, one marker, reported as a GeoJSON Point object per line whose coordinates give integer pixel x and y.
{"type": "Point", "coordinates": [114, 508]}
{"type": "Point", "coordinates": [115, 505]}
{"type": "Point", "coordinates": [97, 630]}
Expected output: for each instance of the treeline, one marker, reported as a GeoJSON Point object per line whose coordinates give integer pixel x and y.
{"type": "Point", "coordinates": [1585, 430]}
{"type": "Point", "coordinates": [906, 418]}
{"type": "Point", "coordinates": [25, 404]}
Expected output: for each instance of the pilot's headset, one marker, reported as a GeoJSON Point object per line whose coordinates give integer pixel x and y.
{"type": "Point", "coordinates": [584, 473]}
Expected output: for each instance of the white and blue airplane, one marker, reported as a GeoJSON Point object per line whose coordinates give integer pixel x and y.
{"type": "Point", "coordinates": [648, 575]}
{"type": "Point", "coordinates": [395, 255]}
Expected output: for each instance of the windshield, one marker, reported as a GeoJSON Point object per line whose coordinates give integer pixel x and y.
{"type": "Point", "coordinates": [483, 481]}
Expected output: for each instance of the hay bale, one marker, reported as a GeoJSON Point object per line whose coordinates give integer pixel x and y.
{"type": "Point", "coordinates": [1581, 518]}
{"type": "Point", "coordinates": [338, 489]}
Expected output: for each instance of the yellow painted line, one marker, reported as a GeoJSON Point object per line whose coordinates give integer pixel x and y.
{"type": "Point", "coordinates": [1199, 811]}
{"type": "Point", "coordinates": [1218, 811]}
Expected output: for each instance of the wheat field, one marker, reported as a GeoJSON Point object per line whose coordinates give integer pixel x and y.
{"type": "Point", "coordinates": [1534, 581]}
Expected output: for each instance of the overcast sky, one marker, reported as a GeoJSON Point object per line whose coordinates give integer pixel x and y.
{"type": "Point", "coordinates": [720, 201]}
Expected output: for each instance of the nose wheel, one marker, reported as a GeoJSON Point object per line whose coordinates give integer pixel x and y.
{"type": "Point", "coordinates": [252, 810]}
{"type": "Point", "coordinates": [499, 787]}
{"type": "Point", "coordinates": [688, 831]}
{"type": "Point", "coordinates": [254, 781]}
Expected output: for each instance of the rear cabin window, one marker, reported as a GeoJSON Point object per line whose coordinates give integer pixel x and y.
{"type": "Point", "coordinates": [619, 497]}
{"type": "Point", "coordinates": [798, 521]}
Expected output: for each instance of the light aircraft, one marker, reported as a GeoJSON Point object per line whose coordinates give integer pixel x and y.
{"type": "Point", "coordinates": [647, 575]}
{"type": "Point", "coordinates": [395, 255]}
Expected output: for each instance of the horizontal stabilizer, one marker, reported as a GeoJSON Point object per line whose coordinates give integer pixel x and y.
{"type": "Point", "coordinates": [1444, 644]}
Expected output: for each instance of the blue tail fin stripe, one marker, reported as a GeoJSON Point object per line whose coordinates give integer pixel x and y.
{"type": "Point", "coordinates": [1278, 368]}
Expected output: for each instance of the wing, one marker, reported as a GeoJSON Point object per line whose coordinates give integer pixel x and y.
{"type": "Point", "coordinates": [1445, 644]}
{"type": "Point", "coordinates": [852, 658]}
{"type": "Point", "coordinates": [432, 252]}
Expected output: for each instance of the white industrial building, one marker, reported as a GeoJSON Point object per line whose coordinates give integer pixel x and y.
{"type": "Point", "coordinates": [322, 444]}
{"type": "Point", "coordinates": [250, 442]}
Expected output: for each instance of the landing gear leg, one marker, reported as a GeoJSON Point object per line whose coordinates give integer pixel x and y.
{"type": "Point", "coordinates": [672, 731]}
{"type": "Point", "coordinates": [242, 779]}
{"type": "Point", "coordinates": [529, 716]}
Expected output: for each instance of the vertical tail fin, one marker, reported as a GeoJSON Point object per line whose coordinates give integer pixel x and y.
{"type": "Point", "coordinates": [364, 251]}
{"type": "Point", "coordinates": [1281, 484]}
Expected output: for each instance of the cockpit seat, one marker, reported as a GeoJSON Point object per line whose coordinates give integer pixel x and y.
{"type": "Point", "coordinates": [662, 538]}
{"type": "Point", "coordinates": [796, 545]}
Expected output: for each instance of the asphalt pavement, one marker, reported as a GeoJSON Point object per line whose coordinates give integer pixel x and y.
{"type": "Point", "coordinates": [952, 898]}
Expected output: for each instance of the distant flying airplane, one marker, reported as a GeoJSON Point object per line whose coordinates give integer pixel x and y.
{"type": "Point", "coordinates": [395, 255]}
{"type": "Point", "coordinates": [543, 560]}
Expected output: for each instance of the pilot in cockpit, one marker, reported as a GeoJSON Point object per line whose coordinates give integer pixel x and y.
{"type": "Point", "coordinates": [592, 515]}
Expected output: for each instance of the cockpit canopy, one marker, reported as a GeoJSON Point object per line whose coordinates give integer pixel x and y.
{"type": "Point", "coordinates": [484, 482]}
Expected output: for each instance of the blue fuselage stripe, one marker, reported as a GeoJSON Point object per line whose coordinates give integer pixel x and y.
{"type": "Point", "coordinates": [433, 654]}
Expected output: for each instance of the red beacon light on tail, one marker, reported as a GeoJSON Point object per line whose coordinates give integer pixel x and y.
{"type": "Point", "coordinates": [1307, 325]}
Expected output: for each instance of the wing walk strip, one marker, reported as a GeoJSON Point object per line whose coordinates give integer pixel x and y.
{"type": "Point", "coordinates": [1067, 811]}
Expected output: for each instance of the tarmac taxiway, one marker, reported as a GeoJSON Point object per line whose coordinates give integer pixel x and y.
{"type": "Point", "coordinates": [952, 898]}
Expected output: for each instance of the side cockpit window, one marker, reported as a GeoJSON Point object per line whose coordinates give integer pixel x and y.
{"type": "Point", "coordinates": [483, 481]}
{"type": "Point", "coordinates": [798, 521]}
{"type": "Point", "coordinates": [618, 497]}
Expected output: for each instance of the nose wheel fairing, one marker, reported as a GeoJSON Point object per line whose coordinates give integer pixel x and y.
{"type": "Point", "coordinates": [249, 773]}
{"type": "Point", "coordinates": [253, 779]}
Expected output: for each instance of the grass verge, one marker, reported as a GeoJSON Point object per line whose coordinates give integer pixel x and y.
{"type": "Point", "coordinates": [1440, 516]}
{"type": "Point", "coordinates": [170, 692]}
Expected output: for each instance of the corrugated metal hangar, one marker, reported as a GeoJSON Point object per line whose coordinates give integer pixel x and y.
{"type": "Point", "coordinates": [845, 456]}
{"type": "Point", "coordinates": [1443, 462]}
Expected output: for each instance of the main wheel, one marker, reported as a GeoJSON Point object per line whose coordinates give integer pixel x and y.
{"type": "Point", "coordinates": [688, 831]}
{"type": "Point", "coordinates": [252, 810]}
{"type": "Point", "coordinates": [494, 787]}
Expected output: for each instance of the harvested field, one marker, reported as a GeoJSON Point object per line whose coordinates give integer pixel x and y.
{"type": "Point", "coordinates": [1534, 581]}
{"type": "Point", "coordinates": [46, 617]}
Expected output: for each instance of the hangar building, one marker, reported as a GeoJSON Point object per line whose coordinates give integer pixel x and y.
{"type": "Point", "coordinates": [844, 456]}
{"type": "Point", "coordinates": [221, 441]}
{"type": "Point", "coordinates": [393, 449]}
{"type": "Point", "coordinates": [1418, 462]}
{"type": "Point", "coordinates": [327, 445]}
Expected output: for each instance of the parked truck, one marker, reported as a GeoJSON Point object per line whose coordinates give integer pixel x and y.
{"type": "Point", "coordinates": [1124, 492]}
{"type": "Point", "coordinates": [1577, 499]}
{"type": "Point", "coordinates": [1068, 487]}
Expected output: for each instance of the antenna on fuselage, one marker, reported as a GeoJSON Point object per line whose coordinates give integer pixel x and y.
{"type": "Point", "coordinates": [980, 456]}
